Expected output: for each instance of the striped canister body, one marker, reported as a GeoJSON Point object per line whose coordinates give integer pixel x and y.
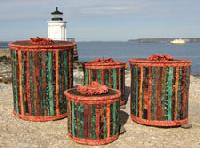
{"type": "Point", "coordinates": [93, 120]}
{"type": "Point", "coordinates": [108, 72]}
{"type": "Point", "coordinates": [40, 74]}
{"type": "Point", "coordinates": [159, 90]}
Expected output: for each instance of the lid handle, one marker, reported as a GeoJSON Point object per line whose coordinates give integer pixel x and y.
{"type": "Point", "coordinates": [160, 57]}
{"type": "Point", "coordinates": [41, 41]}
{"type": "Point", "coordinates": [93, 89]}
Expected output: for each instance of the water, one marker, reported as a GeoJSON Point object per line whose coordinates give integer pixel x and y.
{"type": "Point", "coordinates": [126, 50]}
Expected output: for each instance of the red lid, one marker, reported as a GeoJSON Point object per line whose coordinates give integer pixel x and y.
{"type": "Point", "coordinates": [104, 63]}
{"type": "Point", "coordinates": [98, 97]}
{"type": "Point", "coordinates": [160, 60]}
{"type": "Point", "coordinates": [93, 89]}
{"type": "Point", "coordinates": [41, 43]}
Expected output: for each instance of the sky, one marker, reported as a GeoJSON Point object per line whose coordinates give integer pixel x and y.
{"type": "Point", "coordinates": [102, 20]}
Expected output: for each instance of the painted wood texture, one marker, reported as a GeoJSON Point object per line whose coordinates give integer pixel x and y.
{"type": "Point", "coordinates": [39, 79]}
{"type": "Point", "coordinates": [114, 78]}
{"type": "Point", "coordinates": [165, 92]}
{"type": "Point", "coordinates": [92, 121]}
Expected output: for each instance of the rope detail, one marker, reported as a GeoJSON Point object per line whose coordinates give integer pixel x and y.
{"type": "Point", "coordinates": [41, 41]}
{"type": "Point", "coordinates": [93, 89]}
{"type": "Point", "coordinates": [160, 57]}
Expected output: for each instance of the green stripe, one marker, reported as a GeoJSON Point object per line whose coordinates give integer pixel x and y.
{"type": "Point", "coordinates": [163, 94]}
{"type": "Point", "coordinates": [86, 76]}
{"type": "Point", "coordinates": [170, 89]}
{"type": "Point", "coordinates": [114, 110]}
{"type": "Point", "coordinates": [136, 90]}
{"type": "Point", "coordinates": [73, 119]}
{"type": "Point", "coordinates": [65, 55]}
{"type": "Point", "coordinates": [99, 76]}
{"type": "Point", "coordinates": [93, 130]}
{"type": "Point", "coordinates": [106, 77]}
{"type": "Point", "coordinates": [117, 117]}
{"type": "Point", "coordinates": [50, 85]}
{"type": "Point", "coordinates": [31, 82]}
{"type": "Point", "coordinates": [105, 122]}
{"type": "Point", "coordinates": [12, 66]}
{"type": "Point", "coordinates": [43, 80]}
{"type": "Point", "coordinates": [23, 82]}
{"type": "Point", "coordinates": [14, 80]}
{"type": "Point", "coordinates": [66, 72]}
{"type": "Point", "coordinates": [114, 76]}
{"type": "Point", "coordinates": [81, 119]}
{"type": "Point", "coordinates": [187, 85]}
{"type": "Point", "coordinates": [133, 104]}
{"type": "Point", "coordinates": [62, 98]}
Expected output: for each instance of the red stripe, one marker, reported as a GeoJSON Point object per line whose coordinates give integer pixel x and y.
{"type": "Point", "coordinates": [86, 113]}
{"type": "Point", "coordinates": [184, 91]}
{"type": "Point", "coordinates": [149, 94]}
{"type": "Point", "coordinates": [159, 91]}
{"type": "Point", "coordinates": [20, 82]}
{"type": "Point", "coordinates": [28, 83]}
{"type": "Point", "coordinates": [98, 120]}
{"type": "Point", "coordinates": [57, 83]}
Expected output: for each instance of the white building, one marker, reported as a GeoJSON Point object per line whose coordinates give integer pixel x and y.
{"type": "Point", "coordinates": [57, 27]}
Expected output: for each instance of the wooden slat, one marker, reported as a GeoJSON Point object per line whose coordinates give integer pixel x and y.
{"type": "Point", "coordinates": [108, 116]}
{"type": "Point", "coordinates": [149, 94]}
{"type": "Point", "coordinates": [86, 114]}
{"type": "Point", "coordinates": [98, 121]}
{"type": "Point", "coordinates": [57, 82]}
{"type": "Point", "coordinates": [14, 80]}
{"type": "Point", "coordinates": [93, 129]}
{"type": "Point", "coordinates": [73, 119]}
{"type": "Point", "coordinates": [20, 82]}
{"type": "Point", "coordinates": [31, 82]}
{"type": "Point", "coordinates": [50, 84]}
{"type": "Point", "coordinates": [176, 92]}
{"type": "Point", "coordinates": [170, 87]}
{"type": "Point", "coordinates": [114, 111]}
{"type": "Point", "coordinates": [158, 96]}
{"type": "Point", "coordinates": [136, 91]}
{"type": "Point", "coordinates": [140, 91]}
{"type": "Point", "coordinates": [86, 77]}
{"type": "Point", "coordinates": [114, 78]}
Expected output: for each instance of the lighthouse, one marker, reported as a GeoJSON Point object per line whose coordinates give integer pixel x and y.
{"type": "Point", "coordinates": [56, 26]}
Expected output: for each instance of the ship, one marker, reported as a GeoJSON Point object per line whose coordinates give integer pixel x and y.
{"type": "Point", "coordinates": [178, 41]}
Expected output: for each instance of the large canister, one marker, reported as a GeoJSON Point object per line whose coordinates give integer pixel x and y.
{"type": "Point", "coordinates": [159, 90]}
{"type": "Point", "coordinates": [41, 70]}
{"type": "Point", "coordinates": [93, 114]}
{"type": "Point", "coordinates": [108, 72]}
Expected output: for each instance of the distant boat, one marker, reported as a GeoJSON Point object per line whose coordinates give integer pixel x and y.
{"type": "Point", "coordinates": [178, 41]}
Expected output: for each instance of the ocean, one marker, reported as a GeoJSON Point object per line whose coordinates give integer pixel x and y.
{"type": "Point", "coordinates": [126, 50]}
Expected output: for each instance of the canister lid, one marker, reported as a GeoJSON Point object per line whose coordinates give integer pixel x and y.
{"type": "Point", "coordinates": [41, 43]}
{"type": "Point", "coordinates": [104, 63]}
{"type": "Point", "coordinates": [160, 60]}
{"type": "Point", "coordinates": [92, 93]}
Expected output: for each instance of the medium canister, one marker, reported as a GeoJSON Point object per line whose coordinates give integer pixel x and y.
{"type": "Point", "coordinates": [108, 72]}
{"type": "Point", "coordinates": [93, 114]}
{"type": "Point", "coordinates": [160, 90]}
{"type": "Point", "coordinates": [41, 71]}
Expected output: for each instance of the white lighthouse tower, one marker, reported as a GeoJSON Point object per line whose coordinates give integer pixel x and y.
{"type": "Point", "coordinates": [57, 27]}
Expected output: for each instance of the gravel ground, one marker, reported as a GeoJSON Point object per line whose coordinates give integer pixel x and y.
{"type": "Point", "coordinates": [15, 133]}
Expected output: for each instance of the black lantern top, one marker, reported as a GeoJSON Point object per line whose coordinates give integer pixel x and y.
{"type": "Point", "coordinates": [57, 15]}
